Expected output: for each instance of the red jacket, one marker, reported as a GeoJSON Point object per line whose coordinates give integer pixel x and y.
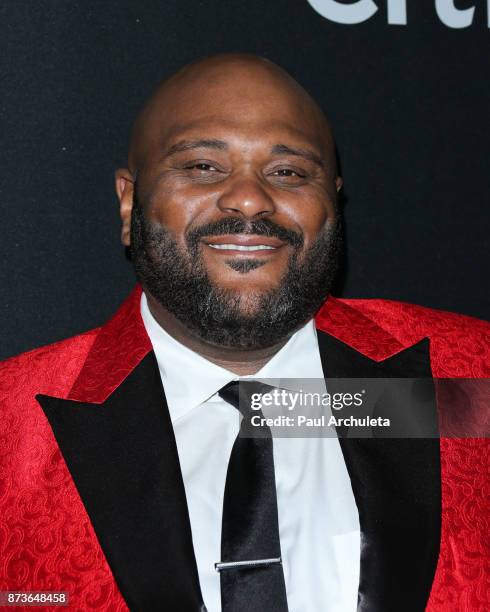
{"type": "Point", "coordinates": [49, 543]}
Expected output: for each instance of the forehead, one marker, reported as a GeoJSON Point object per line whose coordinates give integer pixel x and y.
{"type": "Point", "coordinates": [234, 136]}
{"type": "Point", "coordinates": [240, 109]}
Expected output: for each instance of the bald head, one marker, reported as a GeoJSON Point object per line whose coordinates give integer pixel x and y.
{"type": "Point", "coordinates": [222, 88]}
{"type": "Point", "coordinates": [229, 203]}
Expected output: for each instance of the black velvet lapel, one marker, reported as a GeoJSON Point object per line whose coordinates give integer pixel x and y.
{"type": "Point", "coordinates": [396, 484]}
{"type": "Point", "coordinates": [123, 459]}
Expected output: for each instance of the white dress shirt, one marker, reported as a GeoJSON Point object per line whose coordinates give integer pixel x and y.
{"type": "Point", "coordinates": [318, 518]}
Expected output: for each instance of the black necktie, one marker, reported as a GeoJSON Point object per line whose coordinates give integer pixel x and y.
{"type": "Point", "coordinates": [252, 578]}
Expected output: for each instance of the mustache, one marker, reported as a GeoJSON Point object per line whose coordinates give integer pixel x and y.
{"type": "Point", "coordinates": [235, 225]}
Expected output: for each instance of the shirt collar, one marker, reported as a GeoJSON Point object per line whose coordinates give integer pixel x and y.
{"type": "Point", "coordinates": [189, 379]}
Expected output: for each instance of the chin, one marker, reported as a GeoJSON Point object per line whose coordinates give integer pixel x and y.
{"type": "Point", "coordinates": [251, 302]}
{"type": "Point", "coordinates": [248, 285]}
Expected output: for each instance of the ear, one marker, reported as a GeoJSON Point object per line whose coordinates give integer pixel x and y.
{"type": "Point", "coordinates": [338, 183]}
{"type": "Point", "coordinates": [125, 189]}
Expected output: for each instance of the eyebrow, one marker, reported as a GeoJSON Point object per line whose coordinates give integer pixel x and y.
{"type": "Point", "coordinates": [221, 145]}
{"type": "Point", "coordinates": [187, 145]}
{"type": "Point", "coordinates": [281, 149]}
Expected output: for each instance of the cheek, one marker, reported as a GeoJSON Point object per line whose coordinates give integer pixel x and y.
{"type": "Point", "coordinates": [177, 208]}
{"type": "Point", "coordinates": [311, 217]}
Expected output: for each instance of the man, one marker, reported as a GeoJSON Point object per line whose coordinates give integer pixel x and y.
{"type": "Point", "coordinates": [125, 483]}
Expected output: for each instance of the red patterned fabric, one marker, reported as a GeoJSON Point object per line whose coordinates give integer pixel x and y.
{"type": "Point", "coordinates": [47, 542]}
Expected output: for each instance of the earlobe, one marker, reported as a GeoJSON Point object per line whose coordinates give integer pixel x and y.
{"type": "Point", "coordinates": [338, 183]}
{"type": "Point", "coordinates": [124, 183]}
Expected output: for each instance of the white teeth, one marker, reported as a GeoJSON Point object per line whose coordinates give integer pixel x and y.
{"type": "Point", "coordinates": [241, 247]}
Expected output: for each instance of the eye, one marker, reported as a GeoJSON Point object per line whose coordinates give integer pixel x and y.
{"type": "Point", "coordinates": [288, 176]}
{"type": "Point", "coordinates": [203, 167]}
{"type": "Point", "coordinates": [287, 172]}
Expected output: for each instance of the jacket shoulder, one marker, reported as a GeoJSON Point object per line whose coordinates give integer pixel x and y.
{"type": "Point", "coordinates": [459, 344]}
{"type": "Point", "coordinates": [403, 319]}
{"type": "Point", "coordinates": [49, 369]}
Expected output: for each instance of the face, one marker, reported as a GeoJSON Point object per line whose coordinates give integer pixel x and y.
{"type": "Point", "coordinates": [234, 225]}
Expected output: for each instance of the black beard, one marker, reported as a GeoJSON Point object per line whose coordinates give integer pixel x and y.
{"type": "Point", "coordinates": [179, 282]}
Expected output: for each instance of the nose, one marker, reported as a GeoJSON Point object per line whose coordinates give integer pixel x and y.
{"type": "Point", "coordinates": [246, 196]}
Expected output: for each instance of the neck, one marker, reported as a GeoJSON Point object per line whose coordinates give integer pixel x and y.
{"type": "Point", "coordinates": [239, 361]}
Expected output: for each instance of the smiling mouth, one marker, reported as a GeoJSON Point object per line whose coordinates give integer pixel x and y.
{"type": "Point", "coordinates": [242, 247]}
{"type": "Point", "coordinates": [244, 243]}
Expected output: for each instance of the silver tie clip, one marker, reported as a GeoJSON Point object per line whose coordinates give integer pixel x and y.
{"type": "Point", "coordinates": [229, 565]}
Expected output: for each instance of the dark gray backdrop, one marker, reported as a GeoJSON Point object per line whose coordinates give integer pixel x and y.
{"type": "Point", "coordinates": [409, 104]}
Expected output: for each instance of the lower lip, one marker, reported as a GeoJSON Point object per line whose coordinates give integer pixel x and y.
{"type": "Point", "coordinates": [238, 253]}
